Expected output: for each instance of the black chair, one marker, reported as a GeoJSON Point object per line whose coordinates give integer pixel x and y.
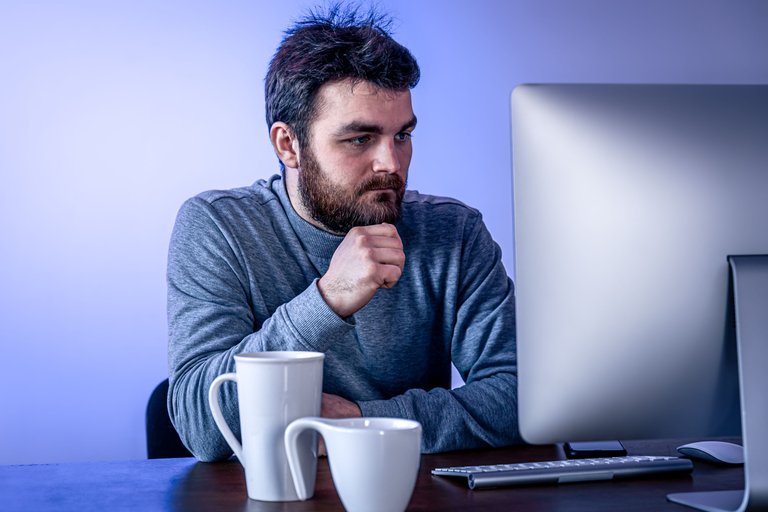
{"type": "Point", "coordinates": [163, 441]}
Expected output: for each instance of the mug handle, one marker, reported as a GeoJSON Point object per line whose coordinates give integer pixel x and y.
{"type": "Point", "coordinates": [299, 471]}
{"type": "Point", "coordinates": [218, 417]}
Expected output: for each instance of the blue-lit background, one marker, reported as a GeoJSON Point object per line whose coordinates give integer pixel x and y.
{"type": "Point", "coordinates": [113, 113]}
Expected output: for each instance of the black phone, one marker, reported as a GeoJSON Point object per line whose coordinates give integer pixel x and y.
{"type": "Point", "coordinates": [592, 449]}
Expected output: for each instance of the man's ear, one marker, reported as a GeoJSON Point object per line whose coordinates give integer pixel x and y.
{"type": "Point", "coordinates": [285, 144]}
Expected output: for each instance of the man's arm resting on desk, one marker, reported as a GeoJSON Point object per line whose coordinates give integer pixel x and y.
{"type": "Point", "coordinates": [480, 414]}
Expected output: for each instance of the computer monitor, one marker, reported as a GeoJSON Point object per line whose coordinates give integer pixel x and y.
{"type": "Point", "coordinates": [628, 202]}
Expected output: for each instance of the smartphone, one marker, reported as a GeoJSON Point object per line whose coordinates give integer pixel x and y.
{"type": "Point", "coordinates": [592, 449]}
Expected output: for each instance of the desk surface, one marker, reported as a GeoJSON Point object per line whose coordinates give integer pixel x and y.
{"type": "Point", "coordinates": [187, 485]}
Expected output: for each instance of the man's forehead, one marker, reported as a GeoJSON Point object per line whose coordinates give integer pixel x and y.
{"type": "Point", "coordinates": [347, 101]}
{"type": "Point", "coordinates": [348, 87]}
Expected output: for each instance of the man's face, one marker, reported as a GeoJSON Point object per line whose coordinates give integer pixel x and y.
{"type": "Point", "coordinates": [354, 170]}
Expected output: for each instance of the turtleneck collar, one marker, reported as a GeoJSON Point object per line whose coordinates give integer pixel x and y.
{"type": "Point", "coordinates": [317, 242]}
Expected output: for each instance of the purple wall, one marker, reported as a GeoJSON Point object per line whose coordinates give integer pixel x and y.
{"type": "Point", "coordinates": [111, 114]}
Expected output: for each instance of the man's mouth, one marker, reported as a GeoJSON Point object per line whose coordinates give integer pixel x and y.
{"type": "Point", "coordinates": [386, 191]}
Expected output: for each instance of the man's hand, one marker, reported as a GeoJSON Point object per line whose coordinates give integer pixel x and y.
{"type": "Point", "coordinates": [369, 258]}
{"type": "Point", "coordinates": [333, 406]}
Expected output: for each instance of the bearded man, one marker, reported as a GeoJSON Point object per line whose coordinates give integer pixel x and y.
{"type": "Point", "coordinates": [334, 255]}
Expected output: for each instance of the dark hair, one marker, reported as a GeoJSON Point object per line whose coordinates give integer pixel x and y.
{"type": "Point", "coordinates": [340, 43]}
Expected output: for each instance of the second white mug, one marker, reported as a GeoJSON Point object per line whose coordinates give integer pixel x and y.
{"type": "Point", "coordinates": [374, 461]}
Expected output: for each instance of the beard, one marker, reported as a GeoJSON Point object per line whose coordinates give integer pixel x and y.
{"type": "Point", "coordinates": [339, 209]}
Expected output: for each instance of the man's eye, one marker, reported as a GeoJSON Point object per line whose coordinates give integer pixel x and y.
{"type": "Point", "coordinates": [402, 136]}
{"type": "Point", "coordinates": [359, 141]}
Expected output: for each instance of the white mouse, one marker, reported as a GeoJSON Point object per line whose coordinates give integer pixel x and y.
{"type": "Point", "coordinates": [718, 452]}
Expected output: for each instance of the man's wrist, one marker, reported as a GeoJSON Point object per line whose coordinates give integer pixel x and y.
{"type": "Point", "coordinates": [330, 296]}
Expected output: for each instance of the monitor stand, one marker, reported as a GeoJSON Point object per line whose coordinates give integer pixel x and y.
{"type": "Point", "coordinates": [750, 289]}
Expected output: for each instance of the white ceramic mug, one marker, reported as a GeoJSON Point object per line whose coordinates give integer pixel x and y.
{"type": "Point", "coordinates": [374, 461]}
{"type": "Point", "coordinates": [273, 389]}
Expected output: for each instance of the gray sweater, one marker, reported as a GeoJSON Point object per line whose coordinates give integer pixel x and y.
{"type": "Point", "coordinates": [242, 277]}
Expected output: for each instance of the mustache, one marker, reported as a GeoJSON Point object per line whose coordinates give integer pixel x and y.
{"type": "Point", "coordinates": [389, 181]}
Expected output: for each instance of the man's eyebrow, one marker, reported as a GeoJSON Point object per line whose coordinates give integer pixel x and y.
{"type": "Point", "coordinates": [363, 127]}
{"type": "Point", "coordinates": [409, 125]}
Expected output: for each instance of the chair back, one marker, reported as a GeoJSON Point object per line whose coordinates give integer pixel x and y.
{"type": "Point", "coordinates": [163, 442]}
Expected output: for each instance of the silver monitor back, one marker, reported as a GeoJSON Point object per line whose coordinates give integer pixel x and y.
{"type": "Point", "coordinates": [627, 201]}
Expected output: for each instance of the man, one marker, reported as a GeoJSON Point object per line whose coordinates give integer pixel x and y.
{"type": "Point", "coordinates": [333, 255]}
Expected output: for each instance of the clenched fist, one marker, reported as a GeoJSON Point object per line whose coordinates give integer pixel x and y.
{"type": "Point", "coordinates": [369, 258]}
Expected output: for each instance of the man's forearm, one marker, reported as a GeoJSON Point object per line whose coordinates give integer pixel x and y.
{"type": "Point", "coordinates": [479, 414]}
{"type": "Point", "coordinates": [203, 343]}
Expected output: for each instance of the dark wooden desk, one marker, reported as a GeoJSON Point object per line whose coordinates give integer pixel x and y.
{"type": "Point", "coordinates": [187, 485]}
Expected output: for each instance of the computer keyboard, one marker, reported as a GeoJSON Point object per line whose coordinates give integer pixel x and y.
{"type": "Point", "coordinates": [566, 471]}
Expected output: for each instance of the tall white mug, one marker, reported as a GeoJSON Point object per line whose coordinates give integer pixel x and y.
{"type": "Point", "coordinates": [273, 389]}
{"type": "Point", "coordinates": [374, 461]}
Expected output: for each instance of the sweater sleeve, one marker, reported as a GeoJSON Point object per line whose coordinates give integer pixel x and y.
{"type": "Point", "coordinates": [483, 412]}
{"type": "Point", "coordinates": [210, 319]}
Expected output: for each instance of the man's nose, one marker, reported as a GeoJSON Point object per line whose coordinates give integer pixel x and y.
{"type": "Point", "coordinates": [386, 158]}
